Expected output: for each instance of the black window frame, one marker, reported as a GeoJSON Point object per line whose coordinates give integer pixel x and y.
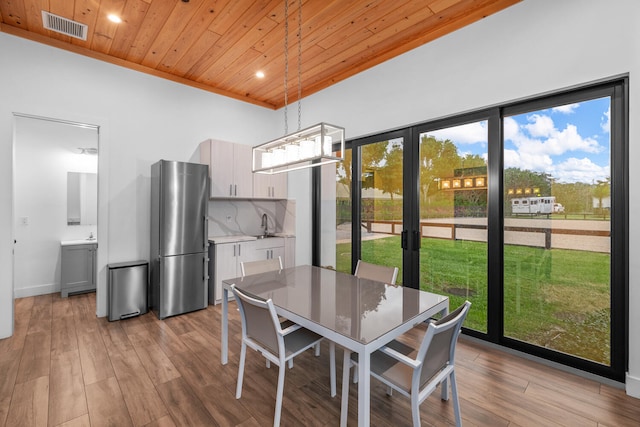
{"type": "Point", "coordinates": [618, 89]}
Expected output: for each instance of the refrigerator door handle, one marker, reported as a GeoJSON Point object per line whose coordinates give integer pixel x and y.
{"type": "Point", "coordinates": [205, 240]}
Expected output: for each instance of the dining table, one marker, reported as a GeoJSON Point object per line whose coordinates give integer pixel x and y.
{"type": "Point", "coordinates": [361, 315]}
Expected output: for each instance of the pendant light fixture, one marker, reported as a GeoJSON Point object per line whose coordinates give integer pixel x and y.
{"type": "Point", "coordinates": [304, 148]}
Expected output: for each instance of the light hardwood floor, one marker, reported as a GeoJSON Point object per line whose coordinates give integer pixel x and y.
{"type": "Point", "coordinates": [65, 367]}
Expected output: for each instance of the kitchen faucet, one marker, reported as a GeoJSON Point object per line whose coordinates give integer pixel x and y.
{"type": "Point", "coordinates": [264, 223]}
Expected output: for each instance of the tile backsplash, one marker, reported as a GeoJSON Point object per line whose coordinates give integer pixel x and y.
{"type": "Point", "coordinates": [244, 217]}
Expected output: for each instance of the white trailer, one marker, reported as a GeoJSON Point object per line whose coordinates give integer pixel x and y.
{"type": "Point", "coordinates": [533, 205]}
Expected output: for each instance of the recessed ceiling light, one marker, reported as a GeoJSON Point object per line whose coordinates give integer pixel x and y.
{"type": "Point", "coordinates": [260, 74]}
{"type": "Point", "coordinates": [114, 18]}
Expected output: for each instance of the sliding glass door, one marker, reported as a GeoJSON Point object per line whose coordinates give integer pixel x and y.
{"type": "Point", "coordinates": [377, 203]}
{"type": "Point", "coordinates": [452, 199]}
{"type": "Point", "coordinates": [521, 209]}
{"type": "Point", "coordinates": [557, 227]}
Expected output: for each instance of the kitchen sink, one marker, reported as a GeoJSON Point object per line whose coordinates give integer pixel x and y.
{"type": "Point", "coordinates": [264, 236]}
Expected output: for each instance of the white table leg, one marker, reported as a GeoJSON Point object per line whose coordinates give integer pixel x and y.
{"type": "Point", "coordinates": [332, 367]}
{"type": "Point", "coordinates": [444, 392]}
{"type": "Point", "coordinates": [344, 407]}
{"type": "Point", "coordinates": [364, 382]}
{"type": "Point", "coordinates": [225, 332]}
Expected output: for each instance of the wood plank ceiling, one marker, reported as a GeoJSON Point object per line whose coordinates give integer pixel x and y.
{"type": "Point", "coordinates": [219, 45]}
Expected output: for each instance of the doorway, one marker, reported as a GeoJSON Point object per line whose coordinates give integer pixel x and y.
{"type": "Point", "coordinates": [52, 159]}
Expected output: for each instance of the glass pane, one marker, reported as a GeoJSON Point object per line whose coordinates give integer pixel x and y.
{"type": "Point", "coordinates": [557, 229]}
{"type": "Point", "coordinates": [453, 217]}
{"type": "Point", "coordinates": [381, 203]}
{"type": "Point", "coordinates": [343, 214]}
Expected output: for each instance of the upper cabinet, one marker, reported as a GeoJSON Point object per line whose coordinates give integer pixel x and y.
{"type": "Point", "coordinates": [229, 168]}
{"type": "Point", "coordinates": [231, 175]}
{"type": "Point", "coordinates": [270, 186]}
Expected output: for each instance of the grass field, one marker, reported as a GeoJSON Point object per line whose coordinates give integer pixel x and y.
{"type": "Point", "coordinates": [553, 298]}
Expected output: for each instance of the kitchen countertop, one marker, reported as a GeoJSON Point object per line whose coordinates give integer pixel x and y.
{"type": "Point", "coordinates": [78, 242]}
{"type": "Point", "coordinates": [242, 238]}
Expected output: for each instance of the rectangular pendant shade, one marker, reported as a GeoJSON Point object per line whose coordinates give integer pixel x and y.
{"type": "Point", "coordinates": [308, 147]}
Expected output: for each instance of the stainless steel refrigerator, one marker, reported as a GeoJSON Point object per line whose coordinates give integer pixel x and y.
{"type": "Point", "coordinates": [179, 243]}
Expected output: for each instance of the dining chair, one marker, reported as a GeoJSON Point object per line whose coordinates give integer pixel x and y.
{"type": "Point", "coordinates": [262, 332]}
{"type": "Point", "coordinates": [364, 270]}
{"type": "Point", "coordinates": [381, 273]}
{"type": "Point", "coordinates": [248, 268]}
{"type": "Point", "coordinates": [262, 266]}
{"type": "Point", "coordinates": [416, 378]}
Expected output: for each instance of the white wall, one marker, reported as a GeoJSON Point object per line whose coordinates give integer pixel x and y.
{"type": "Point", "coordinates": [142, 119]}
{"type": "Point", "coordinates": [45, 152]}
{"type": "Point", "coordinates": [531, 48]}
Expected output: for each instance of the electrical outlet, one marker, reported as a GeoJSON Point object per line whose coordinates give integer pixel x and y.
{"type": "Point", "coordinates": [24, 220]}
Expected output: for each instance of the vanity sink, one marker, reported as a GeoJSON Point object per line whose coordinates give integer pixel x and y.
{"type": "Point", "coordinates": [78, 242]}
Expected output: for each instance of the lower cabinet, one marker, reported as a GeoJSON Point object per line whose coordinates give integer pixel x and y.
{"type": "Point", "coordinates": [78, 269]}
{"type": "Point", "coordinates": [225, 259]}
{"type": "Point", "coordinates": [270, 248]}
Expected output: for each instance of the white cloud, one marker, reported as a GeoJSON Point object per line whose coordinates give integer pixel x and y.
{"type": "Point", "coordinates": [541, 136]}
{"type": "Point", "coordinates": [579, 170]}
{"type": "Point", "coordinates": [471, 133]}
{"type": "Point", "coordinates": [539, 142]}
{"type": "Point", "coordinates": [605, 123]}
{"type": "Point", "coordinates": [540, 126]}
{"type": "Point", "coordinates": [511, 159]}
{"type": "Point", "coordinates": [565, 109]}
{"type": "Point", "coordinates": [510, 128]}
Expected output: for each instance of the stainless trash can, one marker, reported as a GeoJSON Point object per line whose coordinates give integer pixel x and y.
{"type": "Point", "coordinates": [127, 282]}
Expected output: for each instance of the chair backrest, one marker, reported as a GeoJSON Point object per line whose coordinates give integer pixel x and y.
{"type": "Point", "coordinates": [439, 345]}
{"type": "Point", "coordinates": [255, 267]}
{"type": "Point", "coordinates": [381, 273]}
{"type": "Point", "coordinates": [259, 321]}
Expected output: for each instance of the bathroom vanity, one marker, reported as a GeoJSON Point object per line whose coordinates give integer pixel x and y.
{"type": "Point", "coordinates": [78, 266]}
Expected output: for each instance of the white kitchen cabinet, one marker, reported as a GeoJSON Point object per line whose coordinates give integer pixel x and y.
{"type": "Point", "coordinates": [229, 168]}
{"type": "Point", "coordinates": [289, 259]}
{"type": "Point", "coordinates": [270, 248]}
{"type": "Point", "coordinates": [227, 258]}
{"type": "Point", "coordinates": [270, 186]}
{"type": "Point", "coordinates": [78, 268]}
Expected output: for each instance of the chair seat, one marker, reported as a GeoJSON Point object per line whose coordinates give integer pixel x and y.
{"type": "Point", "coordinates": [299, 340]}
{"type": "Point", "coordinates": [389, 368]}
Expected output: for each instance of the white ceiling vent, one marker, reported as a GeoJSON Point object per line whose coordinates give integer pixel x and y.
{"type": "Point", "coordinates": [64, 26]}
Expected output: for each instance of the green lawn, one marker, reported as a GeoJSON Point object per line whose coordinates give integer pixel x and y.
{"type": "Point", "coordinates": [553, 298]}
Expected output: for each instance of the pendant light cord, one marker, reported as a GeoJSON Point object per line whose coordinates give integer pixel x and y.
{"type": "Point", "coordinates": [286, 64]}
{"type": "Point", "coordinates": [299, 64]}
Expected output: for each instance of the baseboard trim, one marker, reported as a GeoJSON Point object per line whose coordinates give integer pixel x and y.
{"type": "Point", "coordinates": [32, 291]}
{"type": "Point", "coordinates": [633, 386]}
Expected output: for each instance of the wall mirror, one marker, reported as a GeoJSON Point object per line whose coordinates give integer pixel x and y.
{"type": "Point", "coordinates": [82, 198]}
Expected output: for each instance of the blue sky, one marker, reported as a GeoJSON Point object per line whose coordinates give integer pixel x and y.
{"type": "Point", "coordinates": [569, 142]}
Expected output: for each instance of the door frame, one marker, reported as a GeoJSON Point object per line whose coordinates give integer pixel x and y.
{"type": "Point", "coordinates": [618, 87]}
{"type": "Point", "coordinates": [101, 125]}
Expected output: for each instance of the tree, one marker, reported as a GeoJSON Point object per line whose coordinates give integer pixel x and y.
{"type": "Point", "coordinates": [602, 190]}
{"type": "Point", "coordinates": [575, 197]}
{"type": "Point", "coordinates": [372, 160]}
{"type": "Point", "coordinates": [516, 178]}
{"type": "Point", "coordinates": [390, 176]}
{"type": "Point", "coordinates": [438, 159]}
{"type": "Point", "coordinates": [343, 171]}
